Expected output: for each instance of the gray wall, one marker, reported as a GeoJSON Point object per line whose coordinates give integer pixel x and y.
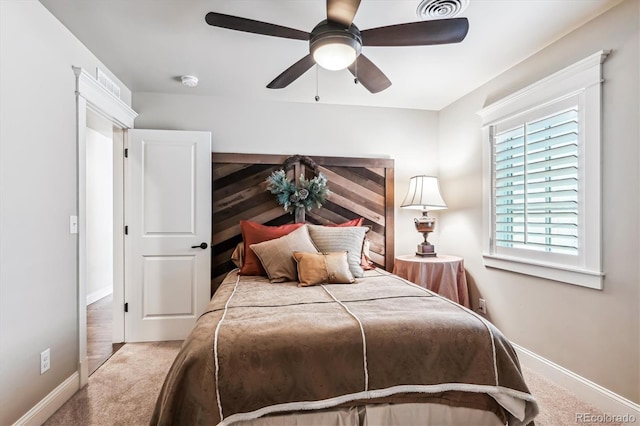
{"type": "Point", "coordinates": [407, 136]}
{"type": "Point", "coordinates": [38, 278]}
{"type": "Point", "coordinates": [592, 333]}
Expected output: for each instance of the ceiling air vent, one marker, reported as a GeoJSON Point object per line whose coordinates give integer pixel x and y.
{"type": "Point", "coordinates": [441, 9]}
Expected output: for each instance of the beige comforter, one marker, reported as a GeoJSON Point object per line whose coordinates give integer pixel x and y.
{"type": "Point", "coordinates": [264, 348]}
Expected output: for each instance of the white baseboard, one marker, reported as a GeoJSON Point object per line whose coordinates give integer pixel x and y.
{"type": "Point", "coordinates": [607, 401]}
{"type": "Point", "coordinates": [98, 294]}
{"type": "Point", "coordinates": [51, 403]}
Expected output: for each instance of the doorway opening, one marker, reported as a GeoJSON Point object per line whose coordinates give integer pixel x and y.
{"type": "Point", "coordinates": [99, 231]}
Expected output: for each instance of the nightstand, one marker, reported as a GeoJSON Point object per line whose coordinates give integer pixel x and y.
{"type": "Point", "coordinates": [442, 274]}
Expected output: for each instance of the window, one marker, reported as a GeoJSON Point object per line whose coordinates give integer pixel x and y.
{"type": "Point", "coordinates": [542, 177]}
{"type": "Point", "coordinates": [535, 185]}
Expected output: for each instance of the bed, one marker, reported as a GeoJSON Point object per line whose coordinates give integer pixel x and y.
{"type": "Point", "coordinates": [355, 346]}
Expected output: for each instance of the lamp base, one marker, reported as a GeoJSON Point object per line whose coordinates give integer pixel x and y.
{"type": "Point", "coordinates": [426, 250]}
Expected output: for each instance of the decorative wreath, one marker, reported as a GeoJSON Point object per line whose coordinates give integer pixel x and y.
{"type": "Point", "coordinates": [306, 193]}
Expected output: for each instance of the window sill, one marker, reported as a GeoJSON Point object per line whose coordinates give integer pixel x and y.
{"type": "Point", "coordinates": [564, 274]}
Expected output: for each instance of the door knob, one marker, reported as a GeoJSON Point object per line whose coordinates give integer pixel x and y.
{"type": "Point", "coordinates": [201, 245]}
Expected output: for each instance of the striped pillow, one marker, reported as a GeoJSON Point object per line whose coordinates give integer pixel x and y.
{"type": "Point", "coordinates": [333, 239]}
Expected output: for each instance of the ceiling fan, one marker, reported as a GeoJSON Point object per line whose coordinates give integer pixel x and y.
{"type": "Point", "coordinates": [336, 42]}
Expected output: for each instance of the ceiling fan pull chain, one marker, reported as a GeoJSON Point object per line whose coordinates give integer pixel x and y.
{"type": "Point", "coordinates": [355, 77]}
{"type": "Point", "coordinates": [317, 95]}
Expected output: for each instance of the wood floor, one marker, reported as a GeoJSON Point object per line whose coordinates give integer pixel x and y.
{"type": "Point", "coordinates": [100, 333]}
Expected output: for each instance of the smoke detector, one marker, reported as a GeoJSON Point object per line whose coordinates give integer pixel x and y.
{"type": "Point", "coordinates": [189, 80]}
{"type": "Point", "coordinates": [441, 9]}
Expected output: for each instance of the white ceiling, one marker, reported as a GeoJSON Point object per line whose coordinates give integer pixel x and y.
{"type": "Point", "coordinates": [148, 44]}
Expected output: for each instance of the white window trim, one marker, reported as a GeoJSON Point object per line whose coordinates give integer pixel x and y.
{"type": "Point", "coordinates": [583, 78]}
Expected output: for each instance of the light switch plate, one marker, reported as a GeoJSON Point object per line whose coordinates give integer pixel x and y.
{"type": "Point", "coordinates": [73, 224]}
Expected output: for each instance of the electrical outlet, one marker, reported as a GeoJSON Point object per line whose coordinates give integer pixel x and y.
{"type": "Point", "coordinates": [45, 360]}
{"type": "Point", "coordinates": [482, 306]}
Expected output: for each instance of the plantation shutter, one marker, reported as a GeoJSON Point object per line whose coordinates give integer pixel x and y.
{"type": "Point", "coordinates": [535, 184]}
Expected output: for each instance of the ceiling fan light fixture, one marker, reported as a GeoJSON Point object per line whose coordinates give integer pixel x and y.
{"type": "Point", "coordinates": [334, 55]}
{"type": "Point", "coordinates": [334, 48]}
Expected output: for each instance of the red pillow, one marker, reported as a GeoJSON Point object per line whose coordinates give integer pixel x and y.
{"type": "Point", "coordinates": [254, 233]}
{"type": "Point", "coordinates": [354, 222]}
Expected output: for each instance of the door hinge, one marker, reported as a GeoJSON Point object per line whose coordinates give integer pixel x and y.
{"type": "Point", "coordinates": [126, 153]}
{"type": "Point", "coordinates": [126, 230]}
{"type": "Point", "coordinates": [126, 307]}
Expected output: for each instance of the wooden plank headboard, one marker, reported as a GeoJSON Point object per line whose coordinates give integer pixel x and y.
{"type": "Point", "coordinates": [360, 187]}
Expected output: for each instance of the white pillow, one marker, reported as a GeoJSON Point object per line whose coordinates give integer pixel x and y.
{"type": "Point", "coordinates": [344, 238]}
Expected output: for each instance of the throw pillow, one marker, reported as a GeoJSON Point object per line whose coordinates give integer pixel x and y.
{"type": "Point", "coordinates": [318, 268]}
{"type": "Point", "coordinates": [253, 233]}
{"type": "Point", "coordinates": [353, 222]}
{"type": "Point", "coordinates": [237, 256]}
{"type": "Point", "coordinates": [334, 239]}
{"type": "Point", "coordinates": [276, 255]}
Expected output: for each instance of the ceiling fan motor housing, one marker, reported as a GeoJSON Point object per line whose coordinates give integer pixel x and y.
{"type": "Point", "coordinates": [329, 33]}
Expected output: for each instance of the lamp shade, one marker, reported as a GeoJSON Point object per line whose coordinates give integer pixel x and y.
{"type": "Point", "coordinates": [423, 194]}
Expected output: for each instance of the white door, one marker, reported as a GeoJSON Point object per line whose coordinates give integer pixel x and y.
{"type": "Point", "coordinates": [168, 227]}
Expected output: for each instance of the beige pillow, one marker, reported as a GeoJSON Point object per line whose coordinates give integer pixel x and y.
{"type": "Point", "coordinates": [349, 238]}
{"type": "Point", "coordinates": [318, 268]}
{"type": "Point", "coordinates": [276, 255]}
{"type": "Point", "coordinates": [237, 257]}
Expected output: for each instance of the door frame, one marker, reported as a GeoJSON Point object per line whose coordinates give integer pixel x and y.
{"type": "Point", "coordinates": [90, 95]}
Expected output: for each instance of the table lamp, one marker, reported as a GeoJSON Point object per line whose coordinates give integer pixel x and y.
{"type": "Point", "coordinates": [424, 194]}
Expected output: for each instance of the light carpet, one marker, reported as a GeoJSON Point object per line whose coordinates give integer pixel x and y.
{"type": "Point", "coordinates": [123, 391]}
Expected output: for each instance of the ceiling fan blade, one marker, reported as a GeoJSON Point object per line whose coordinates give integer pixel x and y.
{"type": "Point", "coordinates": [256, 27]}
{"type": "Point", "coordinates": [440, 31]}
{"type": "Point", "coordinates": [369, 75]}
{"type": "Point", "coordinates": [342, 11]}
{"type": "Point", "coordinates": [289, 75]}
